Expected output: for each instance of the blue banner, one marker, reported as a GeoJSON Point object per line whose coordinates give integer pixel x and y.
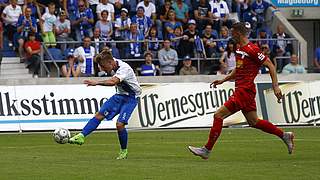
{"type": "Point", "coordinates": [296, 3]}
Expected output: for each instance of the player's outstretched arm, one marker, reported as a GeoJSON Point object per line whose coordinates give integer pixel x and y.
{"type": "Point", "coordinates": [230, 76]}
{"type": "Point", "coordinates": [109, 82]}
{"type": "Point", "coordinates": [274, 78]}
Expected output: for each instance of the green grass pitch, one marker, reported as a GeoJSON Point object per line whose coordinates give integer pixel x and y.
{"type": "Point", "coordinates": [239, 154]}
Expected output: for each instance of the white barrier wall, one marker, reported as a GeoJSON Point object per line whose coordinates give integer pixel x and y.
{"type": "Point", "coordinates": [300, 104]}
{"type": "Point", "coordinates": [46, 107]}
{"type": "Point", "coordinates": [161, 105]}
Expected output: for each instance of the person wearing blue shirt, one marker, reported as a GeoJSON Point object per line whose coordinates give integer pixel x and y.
{"type": "Point", "coordinates": [135, 48]}
{"type": "Point", "coordinates": [84, 21]}
{"type": "Point", "coordinates": [35, 9]}
{"type": "Point", "coordinates": [123, 102]}
{"type": "Point", "coordinates": [148, 69]}
{"type": "Point", "coordinates": [258, 9]}
{"type": "Point", "coordinates": [25, 24]}
{"type": "Point", "coordinates": [71, 8]}
{"type": "Point", "coordinates": [144, 23]}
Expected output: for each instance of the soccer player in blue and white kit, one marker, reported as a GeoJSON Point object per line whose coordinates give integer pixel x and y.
{"type": "Point", "coordinates": [122, 103]}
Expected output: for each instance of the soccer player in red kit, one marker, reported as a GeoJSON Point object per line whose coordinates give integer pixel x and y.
{"type": "Point", "coordinates": [248, 61]}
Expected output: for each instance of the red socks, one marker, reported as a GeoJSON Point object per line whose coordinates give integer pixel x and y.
{"type": "Point", "coordinates": [268, 127]}
{"type": "Point", "coordinates": [214, 132]}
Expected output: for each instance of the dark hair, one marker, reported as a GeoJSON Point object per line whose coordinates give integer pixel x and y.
{"type": "Point", "coordinates": [104, 55]}
{"type": "Point", "coordinates": [231, 41]}
{"type": "Point", "coordinates": [240, 27]}
{"type": "Point", "coordinates": [104, 11]}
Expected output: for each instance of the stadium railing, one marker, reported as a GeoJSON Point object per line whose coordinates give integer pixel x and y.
{"type": "Point", "coordinates": [47, 58]}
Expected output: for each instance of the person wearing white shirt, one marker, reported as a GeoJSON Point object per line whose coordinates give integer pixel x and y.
{"type": "Point", "coordinates": [10, 16]}
{"type": "Point", "coordinates": [220, 12]}
{"type": "Point", "coordinates": [149, 9]}
{"type": "Point", "coordinates": [122, 103]}
{"type": "Point", "coordinates": [47, 24]}
{"type": "Point", "coordinates": [85, 54]}
{"type": "Point", "coordinates": [105, 5]}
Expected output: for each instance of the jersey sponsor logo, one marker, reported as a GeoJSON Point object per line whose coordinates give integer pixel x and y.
{"type": "Point", "coordinates": [261, 56]}
{"type": "Point", "coordinates": [239, 63]}
{"type": "Point", "coordinates": [242, 54]}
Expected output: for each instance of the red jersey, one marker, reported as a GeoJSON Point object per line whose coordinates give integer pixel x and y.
{"type": "Point", "coordinates": [34, 45]}
{"type": "Point", "coordinates": [249, 58]}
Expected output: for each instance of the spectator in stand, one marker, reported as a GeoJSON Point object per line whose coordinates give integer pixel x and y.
{"type": "Point", "coordinates": [71, 8]}
{"type": "Point", "coordinates": [144, 22]}
{"type": "Point", "coordinates": [26, 24]}
{"type": "Point", "coordinates": [153, 46]}
{"type": "Point", "coordinates": [265, 48]}
{"type": "Point", "coordinates": [47, 24]}
{"type": "Point", "coordinates": [84, 21]}
{"type": "Point", "coordinates": [93, 6]}
{"type": "Point", "coordinates": [98, 46]}
{"type": "Point", "coordinates": [222, 70]}
{"type": "Point", "coordinates": [220, 14]}
{"type": "Point", "coordinates": [187, 42]}
{"type": "Point", "coordinates": [71, 68]}
{"type": "Point", "coordinates": [132, 5]}
{"type": "Point", "coordinates": [168, 59]}
{"type": "Point", "coordinates": [164, 12]}
{"type": "Point", "coordinates": [262, 35]}
{"type": "Point", "coordinates": [85, 55]}
{"type": "Point", "coordinates": [171, 25]}
{"type": "Point", "coordinates": [245, 12]}
{"type": "Point", "coordinates": [202, 14]}
{"type": "Point", "coordinates": [224, 36]}
{"type": "Point", "coordinates": [293, 66]}
{"type": "Point", "coordinates": [32, 48]}
{"type": "Point", "coordinates": [63, 30]}
{"type": "Point", "coordinates": [209, 42]}
{"type": "Point", "coordinates": [228, 58]}
{"type": "Point", "coordinates": [149, 9]}
{"type": "Point", "coordinates": [135, 49]}
{"type": "Point", "coordinates": [175, 41]}
{"type": "Point", "coordinates": [105, 26]}
{"type": "Point", "coordinates": [316, 60]}
{"type": "Point", "coordinates": [1, 42]}
{"type": "Point", "coordinates": [122, 25]}
{"type": "Point", "coordinates": [118, 5]}
{"type": "Point", "coordinates": [122, 31]}
{"type": "Point", "coordinates": [281, 47]}
{"type": "Point", "coordinates": [187, 68]}
{"type": "Point", "coordinates": [105, 5]}
{"type": "Point", "coordinates": [148, 69]}
{"type": "Point", "coordinates": [182, 11]}
{"type": "Point", "coordinates": [259, 9]}
{"type": "Point", "coordinates": [35, 9]}
{"type": "Point", "coordinates": [10, 16]}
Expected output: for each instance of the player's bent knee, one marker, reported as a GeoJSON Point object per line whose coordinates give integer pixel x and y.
{"type": "Point", "coordinates": [99, 116]}
{"type": "Point", "coordinates": [120, 126]}
{"type": "Point", "coordinates": [252, 122]}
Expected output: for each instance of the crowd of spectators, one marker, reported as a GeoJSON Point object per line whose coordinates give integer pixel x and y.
{"type": "Point", "coordinates": [188, 29]}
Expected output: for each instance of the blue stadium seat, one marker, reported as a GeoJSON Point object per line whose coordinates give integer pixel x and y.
{"type": "Point", "coordinates": [55, 53]}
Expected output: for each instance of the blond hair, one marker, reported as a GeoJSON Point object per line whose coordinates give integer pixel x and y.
{"type": "Point", "coordinates": [104, 55]}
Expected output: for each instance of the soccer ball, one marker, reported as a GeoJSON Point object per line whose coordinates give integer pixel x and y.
{"type": "Point", "coordinates": [61, 135]}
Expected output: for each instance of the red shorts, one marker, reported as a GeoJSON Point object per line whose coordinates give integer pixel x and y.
{"type": "Point", "coordinates": [242, 99]}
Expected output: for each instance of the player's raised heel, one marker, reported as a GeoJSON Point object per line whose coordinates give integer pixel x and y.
{"type": "Point", "coordinates": [123, 154]}
{"type": "Point", "coordinates": [202, 151]}
{"type": "Point", "coordinates": [77, 139]}
{"type": "Point", "coordinates": [288, 138]}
